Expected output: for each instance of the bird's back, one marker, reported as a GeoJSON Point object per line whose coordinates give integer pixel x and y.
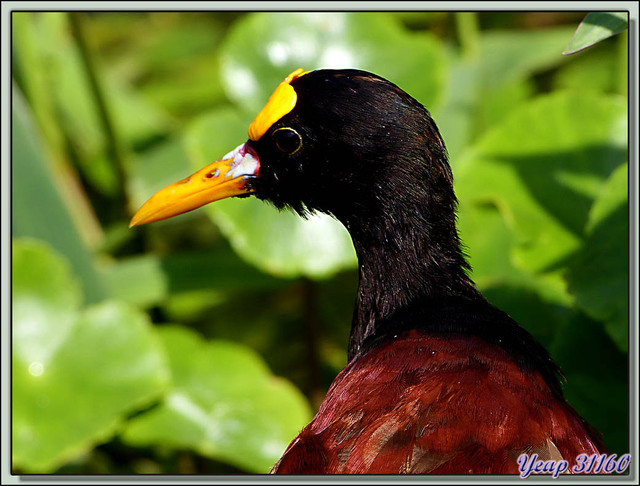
{"type": "Point", "coordinates": [421, 403]}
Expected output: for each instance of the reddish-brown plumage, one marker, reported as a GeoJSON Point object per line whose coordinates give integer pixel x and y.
{"type": "Point", "coordinates": [443, 405]}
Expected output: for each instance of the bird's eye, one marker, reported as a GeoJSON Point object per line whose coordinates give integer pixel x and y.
{"type": "Point", "coordinates": [287, 140]}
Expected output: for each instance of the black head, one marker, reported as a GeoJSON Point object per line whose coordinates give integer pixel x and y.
{"type": "Point", "coordinates": [353, 145]}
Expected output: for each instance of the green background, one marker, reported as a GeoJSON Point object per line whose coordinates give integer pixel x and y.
{"type": "Point", "coordinates": [202, 344]}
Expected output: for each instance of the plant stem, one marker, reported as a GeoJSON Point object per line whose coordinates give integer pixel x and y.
{"type": "Point", "coordinates": [468, 31]}
{"type": "Point", "coordinates": [113, 145]}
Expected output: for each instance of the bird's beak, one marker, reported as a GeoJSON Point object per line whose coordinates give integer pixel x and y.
{"type": "Point", "coordinates": [221, 179]}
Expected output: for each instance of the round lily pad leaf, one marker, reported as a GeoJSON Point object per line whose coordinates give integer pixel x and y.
{"type": "Point", "coordinates": [44, 291]}
{"type": "Point", "coordinates": [102, 363]}
{"type": "Point", "coordinates": [224, 403]}
{"type": "Point", "coordinates": [263, 48]}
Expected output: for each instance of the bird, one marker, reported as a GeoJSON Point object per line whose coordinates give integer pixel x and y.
{"type": "Point", "coordinates": [438, 380]}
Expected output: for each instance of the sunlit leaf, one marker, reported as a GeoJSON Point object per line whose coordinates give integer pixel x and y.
{"type": "Point", "coordinates": [484, 88]}
{"type": "Point", "coordinates": [542, 167]}
{"type": "Point", "coordinates": [44, 291]}
{"type": "Point", "coordinates": [224, 403]}
{"type": "Point", "coordinates": [488, 242]}
{"type": "Point", "coordinates": [263, 48]}
{"type": "Point", "coordinates": [76, 373]}
{"type": "Point", "coordinates": [596, 27]}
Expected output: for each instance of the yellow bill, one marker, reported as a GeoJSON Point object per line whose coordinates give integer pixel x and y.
{"type": "Point", "coordinates": [221, 179]}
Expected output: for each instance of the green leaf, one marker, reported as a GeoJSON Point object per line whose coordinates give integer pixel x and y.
{"type": "Point", "coordinates": [44, 290]}
{"type": "Point", "coordinates": [542, 167]}
{"type": "Point", "coordinates": [483, 89]}
{"type": "Point", "coordinates": [539, 302]}
{"type": "Point", "coordinates": [263, 48]}
{"type": "Point", "coordinates": [189, 86]}
{"type": "Point", "coordinates": [599, 275]}
{"type": "Point", "coordinates": [136, 120]}
{"type": "Point", "coordinates": [38, 208]}
{"type": "Point", "coordinates": [165, 163]}
{"type": "Point", "coordinates": [489, 241]}
{"type": "Point", "coordinates": [76, 373]}
{"type": "Point", "coordinates": [596, 27]}
{"type": "Point", "coordinates": [283, 244]}
{"type": "Point", "coordinates": [280, 243]}
{"type": "Point", "coordinates": [224, 403]}
{"type": "Point", "coordinates": [149, 279]}
{"type": "Point", "coordinates": [597, 378]}
{"type": "Point", "coordinates": [32, 77]}
{"type": "Point", "coordinates": [596, 71]}
{"type": "Point", "coordinates": [497, 104]}
{"type": "Point", "coordinates": [508, 55]}
{"type": "Point", "coordinates": [176, 61]}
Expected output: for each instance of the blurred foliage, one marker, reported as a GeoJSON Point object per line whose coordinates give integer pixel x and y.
{"type": "Point", "coordinates": [141, 351]}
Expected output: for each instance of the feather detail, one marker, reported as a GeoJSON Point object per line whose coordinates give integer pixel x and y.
{"type": "Point", "coordinates": [424, 404]}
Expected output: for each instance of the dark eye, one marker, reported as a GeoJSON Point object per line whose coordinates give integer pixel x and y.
{"type": "Point", "coordinates": [287, 140]}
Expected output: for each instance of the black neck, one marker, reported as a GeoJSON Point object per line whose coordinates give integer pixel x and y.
{"type": "Point", "coordinates": [407, 255]}
{"type": "Point", "coordinates": [413, 275]}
